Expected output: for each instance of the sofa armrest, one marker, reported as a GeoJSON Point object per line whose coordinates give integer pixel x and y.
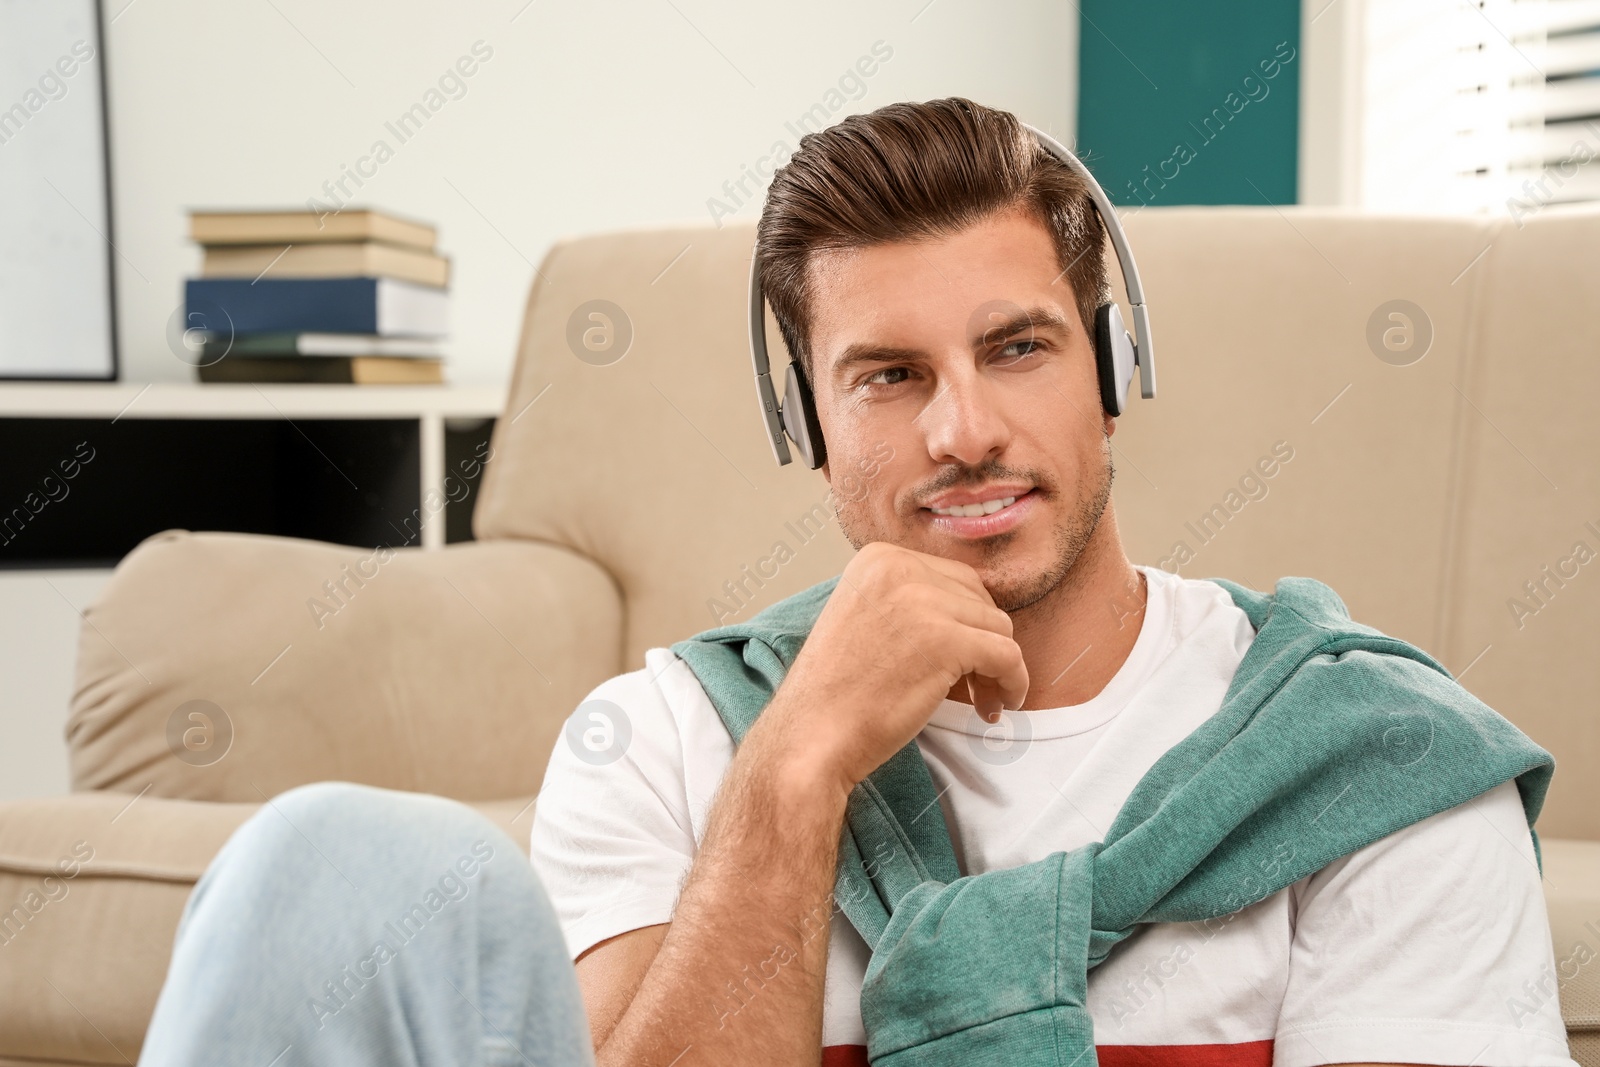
{"type": "Point", "coordinates": [230, 667]}
{"type": "Point", "coordinates": [92, 887]}
{"type": "Point", "coordinates": [1572, 895]}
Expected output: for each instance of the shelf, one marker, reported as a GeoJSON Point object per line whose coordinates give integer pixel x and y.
{"type": "Point", "coordinates": [176, 400]}
{"type": "Point", "coordinates": [351, 464]}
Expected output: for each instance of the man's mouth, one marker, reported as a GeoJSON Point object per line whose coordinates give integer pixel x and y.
{"type": "Point", "coordinates": [984, 512]}
{"type": "Point", "coordinates": [987, 507]}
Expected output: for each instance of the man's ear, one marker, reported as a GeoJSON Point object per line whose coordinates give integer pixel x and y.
{"type": "Point", "coordinates": [1108, 424]}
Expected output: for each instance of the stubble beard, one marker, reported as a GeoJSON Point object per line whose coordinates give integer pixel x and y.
{"type": "Point", "coordinates": [1071, 538]}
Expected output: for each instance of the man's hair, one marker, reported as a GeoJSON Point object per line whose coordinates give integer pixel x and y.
{"type": "Point", "coordinates": [909, 171]}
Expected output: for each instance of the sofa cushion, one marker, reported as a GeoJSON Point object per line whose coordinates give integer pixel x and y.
{"type": "Point", "coordinates": [91, 889]}
{"type": "Point", "coordinates": [447, 671]}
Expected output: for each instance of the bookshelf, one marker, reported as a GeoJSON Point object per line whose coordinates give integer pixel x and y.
{"type": "Point", "coordinates": [348, 464]}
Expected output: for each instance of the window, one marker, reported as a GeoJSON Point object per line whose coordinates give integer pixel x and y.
{"type": "Point", "coordinates": [1455, 106]}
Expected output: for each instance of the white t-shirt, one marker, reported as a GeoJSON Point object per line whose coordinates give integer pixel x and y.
{"type": "Point", "coordinates": [1431, 945]}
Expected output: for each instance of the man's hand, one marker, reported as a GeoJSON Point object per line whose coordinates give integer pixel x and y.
{"type": "Point", "coordinates": [899, 630]}
{"type": "Point", "coordinates": [737, 975]}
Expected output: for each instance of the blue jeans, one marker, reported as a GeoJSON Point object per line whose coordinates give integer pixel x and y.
{"type": "Point", "coordinates": [344, 924]}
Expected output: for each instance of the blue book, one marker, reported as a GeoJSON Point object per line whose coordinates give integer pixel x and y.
{"type": "Point", "coordinates": [386, 307]}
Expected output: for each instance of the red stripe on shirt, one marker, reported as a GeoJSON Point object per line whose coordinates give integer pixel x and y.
{"type": "Point", "coordinates": [1244, 1054]}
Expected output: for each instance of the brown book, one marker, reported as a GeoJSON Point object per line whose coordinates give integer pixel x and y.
{"type": "Point", "coordinates": [299, 227]}
{"type": "Point", "coordinates": [367, 259]}
{"type": "Point", "coordinates": [349, 370]}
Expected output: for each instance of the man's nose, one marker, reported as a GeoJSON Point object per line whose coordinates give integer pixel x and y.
{"type": "Point", "coordinates": [963, 422]}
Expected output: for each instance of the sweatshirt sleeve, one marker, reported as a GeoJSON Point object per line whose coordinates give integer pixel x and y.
{"type": "Point", "coordinates": [1431, 945]}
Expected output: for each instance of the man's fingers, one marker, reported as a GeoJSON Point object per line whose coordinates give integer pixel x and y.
{"type": "Point", "coordinates": [987, 699]}
{"type": "Point", "coordinates": [955, 572]}
{"type": "Point", "coordinates": [999, 675]}
{"type": "Point", "coordinates": [969, 612]}
{"type": "Point", "coordinates": [973, 590]}
{"type": "Point", "coordinates": [984, 652]}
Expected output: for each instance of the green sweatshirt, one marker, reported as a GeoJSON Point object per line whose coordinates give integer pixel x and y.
{"type": "Point", "coordinates": [1330, 736]}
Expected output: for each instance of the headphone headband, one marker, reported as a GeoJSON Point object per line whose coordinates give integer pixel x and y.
{"type": "Point", "coordinates": [1119, 244]}
{"type": "Point", "coordinates": [797, 394]}
{"type": "Point", "coordinates": [770, 410]}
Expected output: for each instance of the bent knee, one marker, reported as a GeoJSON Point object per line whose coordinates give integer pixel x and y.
{"type": "Point", "coordinates": [346, 806]}
{"type": "Point", "coordinates": [323, 813]}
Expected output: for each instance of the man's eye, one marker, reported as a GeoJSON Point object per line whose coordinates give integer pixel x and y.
{"type": "Point", "coordinates": [1017, 351]}
{"type": "Point", "coordinates": [876, 378]}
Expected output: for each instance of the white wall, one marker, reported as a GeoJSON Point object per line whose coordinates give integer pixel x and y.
{"type": "Point", "coordinates": [39, 623]}
{"type": "Point", "coordinates": [1332, 101]}
{"type": "Point", "coordinates": [586, 117]}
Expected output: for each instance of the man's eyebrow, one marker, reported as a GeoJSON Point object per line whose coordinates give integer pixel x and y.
{"type": "Point", "coordinates": [862, 352]}
{"type": "Point", "coordinates": [1038, 318]}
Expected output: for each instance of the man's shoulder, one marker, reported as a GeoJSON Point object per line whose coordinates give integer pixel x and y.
{"type": "Point", "coordinates": [648, 731]}
{"type": "Point", "coordinates": [1193, 606]}
{"type": "Point", "coordinates": [663, 694]}
{"type": "Point", "coordinates": [789, 619]}
{"type": "Point", "coordinates": [662, 686]}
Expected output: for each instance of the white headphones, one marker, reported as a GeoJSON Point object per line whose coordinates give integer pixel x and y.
{"type": "Point", "coordinates": [1116, 354]}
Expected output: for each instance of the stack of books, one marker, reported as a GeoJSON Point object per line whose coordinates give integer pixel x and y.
{"type": "Point", "coordinates": [288, 296]}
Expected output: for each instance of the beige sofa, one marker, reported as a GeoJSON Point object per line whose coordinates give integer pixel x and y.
{"type": "Point", "coordinates": [622, 500]}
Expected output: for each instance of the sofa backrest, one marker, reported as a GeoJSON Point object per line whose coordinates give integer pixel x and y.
{"type": "Point", "coordinates": [1522, 596]}
{"type": "Point", "coordinates": [654, 465]}
{"type": "Point", "coordinates": [1393, 479]}
{"type": "Point", "coordinates": [1261, 321]}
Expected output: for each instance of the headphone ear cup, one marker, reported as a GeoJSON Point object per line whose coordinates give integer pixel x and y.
{"type": "Point", "coordinates": [799, 416]}
{"type": "Point", "coordinates": [1114, 356]}
{"type": "Point", "coordinates": [1105, 365]}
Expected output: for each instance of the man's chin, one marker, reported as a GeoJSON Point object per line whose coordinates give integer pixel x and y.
{"type": "Point", "coordinates": [1016, 574]}
{"type": "Point", "coordinates": [1017, 571]}
{"type": "Point", "coordinates": [1012, 593]}
{"type": "Point", "coordinates": [1015, 578]}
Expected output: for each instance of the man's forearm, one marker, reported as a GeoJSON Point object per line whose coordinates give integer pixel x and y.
{"type": "Point", "coordinates": [739, 976]}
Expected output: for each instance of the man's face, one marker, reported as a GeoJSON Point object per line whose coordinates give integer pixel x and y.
{"type": "Point", "coordinates": [965, 355]}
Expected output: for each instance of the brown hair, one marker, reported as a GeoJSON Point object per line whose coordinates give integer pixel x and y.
{"type": "Point", "coordinates": [911, 170]}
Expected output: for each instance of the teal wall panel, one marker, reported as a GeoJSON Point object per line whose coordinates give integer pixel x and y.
{"type": "Point", "coordinates": [1190, 103]}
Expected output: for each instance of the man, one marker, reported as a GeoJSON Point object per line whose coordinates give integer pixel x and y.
{"type": "Point", "coordinates": [936, 273]}
{"type": "Point", "coordinates": [989, 556]}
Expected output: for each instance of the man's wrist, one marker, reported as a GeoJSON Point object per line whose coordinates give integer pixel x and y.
{"type": "Point", "coordinates": [797, 776]}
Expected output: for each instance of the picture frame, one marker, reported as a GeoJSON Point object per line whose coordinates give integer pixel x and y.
{"type": "Point", "coordinates": [58, 317]}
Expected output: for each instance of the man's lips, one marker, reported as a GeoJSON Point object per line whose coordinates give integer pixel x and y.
{"type": "Point", "coordinates": [964, 497]}
{"type": "Point", "coordinates": [1002, 520]}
